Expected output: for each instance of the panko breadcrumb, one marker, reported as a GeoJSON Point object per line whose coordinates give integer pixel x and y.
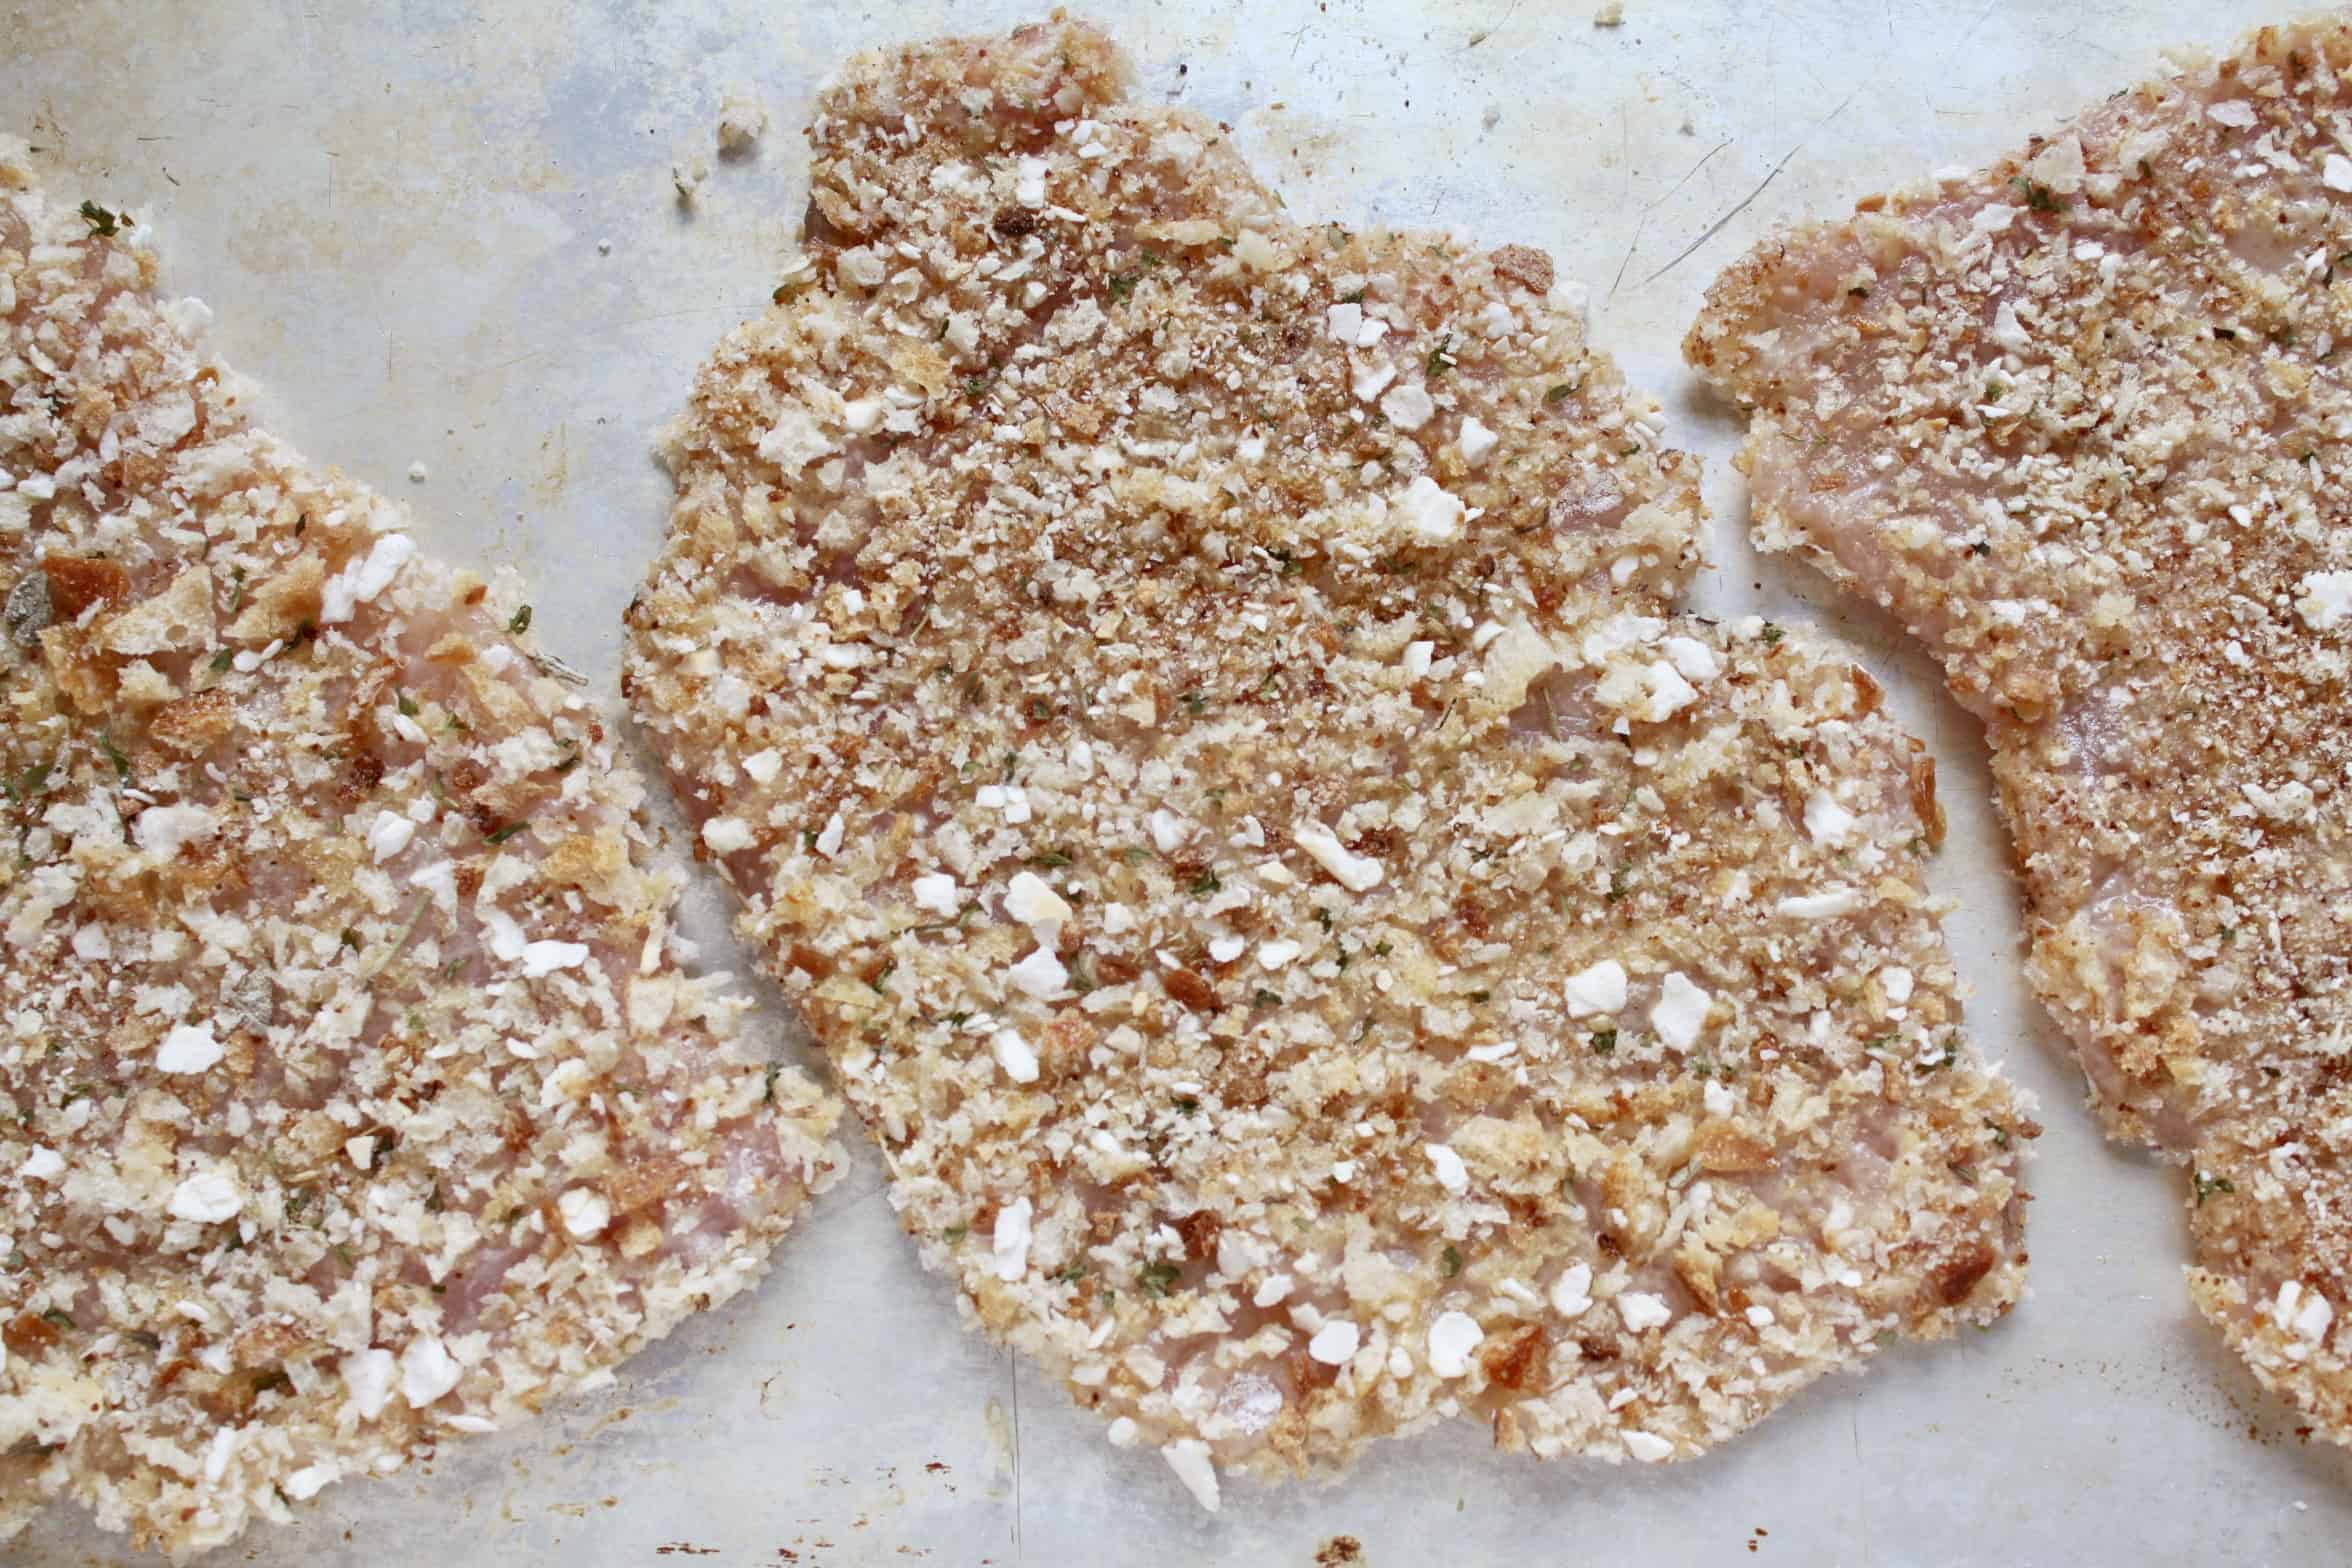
{"type": "Point", "coordinates": [1189, 702]}
{"type": "Point", "coordinates": [2081, 420]}
{"type": "Point", "coordinates": [349, 1095]}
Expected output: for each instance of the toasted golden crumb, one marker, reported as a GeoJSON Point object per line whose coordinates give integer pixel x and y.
{"type": "Point", "coordinates": [349, 1096]}
{"type": "Point", "coordinates": [2081, 420]}
{"type": "Point", "coordinates": [1187, 700]}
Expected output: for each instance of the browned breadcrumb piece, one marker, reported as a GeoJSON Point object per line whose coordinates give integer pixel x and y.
{"type": "Point", "coordinates": [2081, 421]}
{"type": "Point", "coordinates": [349, 1094]}
{"type": "Point", "coordinates": [1187, 700]}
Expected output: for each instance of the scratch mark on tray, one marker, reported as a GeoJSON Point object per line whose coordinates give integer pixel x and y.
{"type": "Point", "coordinates": [1716, 227]}
{"type": "Point", "coordinates": [1861, 1491]}
{"type": "Point", "coordinates": [1644, 221]}
{"type": "Point", "coordinates": [1013, 1365]}
{"type": "Point", "coordinates": [1990, 7]}
{"type": "Point", "coordinates": [1484, 33]}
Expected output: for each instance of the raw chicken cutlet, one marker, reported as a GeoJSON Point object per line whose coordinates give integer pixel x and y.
{"type": "Point", "coordinates": [1189, 703]}
{"type": "Point", "coordinates": [2081, 422]}
{"type": "Point", "coordinates": [350, 1095]}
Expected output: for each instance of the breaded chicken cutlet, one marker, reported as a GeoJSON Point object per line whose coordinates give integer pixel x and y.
{"type": "Point", "coordinates": [350, 1097]}
{"type": "Point", "coordinates": [1189, 702]}
{"type": "Point", "coordinates": [2081, 421]}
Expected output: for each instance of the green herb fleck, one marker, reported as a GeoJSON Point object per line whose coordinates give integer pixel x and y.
{"type": "Point", "coordinates": [1772, 635]}
{"type": "Point", "coordinates": [1604, 1040]}
{"type": "Point", "coordinates": [2037, 196]}
{"type": "Point", "coordinates": [500, 835]}
{"type": "Point", "coordinates": [102, 223]}
{"type": "Point", "coordinates": [58, 1317]}
{"type": "Point", "coordinates": [2207, 1186]}
{"type": "Point", "coordinates": [221, 661]}
{"type": "Point", "coordinates": [1449, 1261]}
{"type": "Point", "coordinates": [1156, 1279]}
{"type": "Point", "coordinates": [955, 1233]}
{"type": "Point", "coordinates": [520, 621]}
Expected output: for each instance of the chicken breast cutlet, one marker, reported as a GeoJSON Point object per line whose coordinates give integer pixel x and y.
{"type": "Point", "coordinates": [349, 1095]}
{"type": "Point", "coordinates": [1190, 704]}
{"type": "Point", "coordinates": [2079, 420]}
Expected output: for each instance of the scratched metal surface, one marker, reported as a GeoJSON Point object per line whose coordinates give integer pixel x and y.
{"type": "Point", "coordinates": [397, 212]}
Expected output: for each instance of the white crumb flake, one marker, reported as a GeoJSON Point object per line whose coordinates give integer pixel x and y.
{"type": "Point", "coordinates": [1033, 902]}
{"type": "Point", "coordinates": [1600, 988]}
{"type": "Point", "coordinates": [188, 1048]}
{"type": "Point", "coordinates": [1827, 822]}
{"type": "Point", "coordinates": [1014, 1054]}
{"type": "Point", "coordinates": [1189, 1458]}
{"type": "Point", "coordinates": [1693, 659]}
{"type": "Point", "coordinates": [585, 1212]}
{"type": "Point", "coordinates": [1408, 406]}
{"type": "Point", "coordinates": [389, 834]}
{"type": "Point", "coordinates": [1009, 1245]}
{"type": "Point", "coordinates": [2336, 173]}
{"type": "Point", "coordinates": [1041, 975]}
{"type": "Point", "coordinates": [1825, 905]}
{"type": "Point", "coordinates": [1431, 514]}
{"type": "Point", "coordinates": [1647, 1447]}
{"type": "Point", "coordinates": [367, 1379]}
{"type": "Point", "coordinates": [208, 1197]}
{"type": "Point", "coordinates": [1277, 954]}
{"type": "Point", "coordinates": [2326, 599]}
{"type": "Point", "coordinates": [1452, 1339]}
{"type": "Point", "coordinates": [359, 582]}
{"type": "Point", "coordinates": [1474, 440]}
{"type": "Point", "coordinates": [726, 835]}
{"type": "Point", "coordinates": [1680, 1013]}
{"type": "Point", "coordinates": [1356, 873]}
{"type": "Point", "coordinates": [1335, 1342]}
{"type": "Point", "coordinates": [42, 1165]}
{"type": "Point", "coordinates": [1452, 1174]}
{"type": "Point", "coordinates": [743, 120]}
{"type": "Point", "coordinates": [307, 1482]}
{"type": "Point", "coordinates": [427, 1372]}
{"type": "Point", "coordinates": [2302, 1312]}
{"type": "Point", "coordinates": [1642, 1311]}
{"type": "Point", "coordinates": [936, 893]}
{"type": "Point", "coordinates": [1571, 1293]}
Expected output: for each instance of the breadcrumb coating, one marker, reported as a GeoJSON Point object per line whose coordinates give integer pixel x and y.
{"type": "Point", "coordinates": [2080, 420]}
{"type": "Point", "coordinates": [350, 1095]}
{"type": "Point", "coordinates": [1189, 702]}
